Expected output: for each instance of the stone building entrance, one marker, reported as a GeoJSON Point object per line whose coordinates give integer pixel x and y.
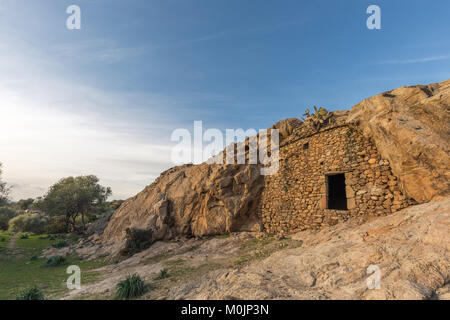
{"type": "Point", "coordinates": [326, 177]}
{"type": "Point", "coordinates": [336, 197]}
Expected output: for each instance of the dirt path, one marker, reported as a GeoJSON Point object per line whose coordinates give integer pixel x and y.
{"type": "Point", "coordinates": [12, 243]}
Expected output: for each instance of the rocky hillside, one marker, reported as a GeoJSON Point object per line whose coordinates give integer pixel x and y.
{"type": "Point", "coordinates": [411, 248]}
{"type": "Point", "coordinates": [410, 126]}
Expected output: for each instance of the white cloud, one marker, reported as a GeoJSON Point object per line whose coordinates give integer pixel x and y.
{"type": "Point", "coordinates": [95, 50]}
{"type": "Point", "coordinates": [52, 126]}
{"type": "Point", "coordinates": [417, 60]}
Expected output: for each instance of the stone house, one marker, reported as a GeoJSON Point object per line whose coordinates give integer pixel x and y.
{"type": "Point", "coordinates": [326, 177]}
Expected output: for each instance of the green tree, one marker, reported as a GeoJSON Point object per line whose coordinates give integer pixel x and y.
{"type": "Point", "coordinates": [74, 196]}
{"type": "Point", "coordinates": [4, 190]}
{"type": "Point", "coordinates": [25, 204]}
{"type": "Point", "coordinates": [6, 214]}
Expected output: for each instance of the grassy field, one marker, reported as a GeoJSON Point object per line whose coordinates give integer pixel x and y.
{"type": "Point", "coordinates": [20, 267]}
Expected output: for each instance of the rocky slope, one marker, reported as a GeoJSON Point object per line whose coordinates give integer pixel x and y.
{"type": "Point", "coordinates": [410, 126]}
{"type": "Point", "coordinates": [411, 248]}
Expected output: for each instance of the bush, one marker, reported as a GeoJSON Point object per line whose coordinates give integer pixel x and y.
{"type": "Point", "coordinates": [6, 214]}
{"type": "Point", "coordinates": [60, 244]}
{"type": "Point", "coordinates": [28, 223]}
{"type": "Point", "coordinates": [132, 287]}
{"type": "Point", "coordinates": [33, 293]}
{"type": "Point", "coordinates": [55, 261]}
{"type": "Point", "coordinates": [56, 225]}
{"type": "Point", "coordinates": [136, 240]}
{"type": "Point", "coordinates": [164, 273]}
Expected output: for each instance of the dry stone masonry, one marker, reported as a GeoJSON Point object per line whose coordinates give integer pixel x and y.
{"type": "Point", "coordinates": [327, 177]}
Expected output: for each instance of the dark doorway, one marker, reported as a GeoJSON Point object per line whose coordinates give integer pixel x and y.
{"type": "Point", "coordinates": [336, 192]}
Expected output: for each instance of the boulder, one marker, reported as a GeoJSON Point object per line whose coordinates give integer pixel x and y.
{"type": "Point", "coordinates": [193, 200]}
{"type": "Point", "coordinates": [411, 128]}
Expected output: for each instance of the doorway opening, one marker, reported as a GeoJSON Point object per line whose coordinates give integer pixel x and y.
{"type": "Point", "coordinates": [336, 195]}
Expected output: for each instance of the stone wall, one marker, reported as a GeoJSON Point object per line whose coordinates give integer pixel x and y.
{"type": "Point", "coordinates": [296, 197]}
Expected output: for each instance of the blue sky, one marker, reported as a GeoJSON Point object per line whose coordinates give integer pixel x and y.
{"type": "Point", "coordinates": [104, 99]}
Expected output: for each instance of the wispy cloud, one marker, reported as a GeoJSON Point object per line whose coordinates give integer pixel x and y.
{"type": "Point", "coordinates": [52, 125]}
{"type": "Point", "coordinates": [417, 60]}
{"type": "Point", "coordinates": [96, 50]}
{"type": "Point", "coordinates": [232, 32]}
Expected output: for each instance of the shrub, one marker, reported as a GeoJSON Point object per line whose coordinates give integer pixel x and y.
{"type": "Point", "coordinates": [56, 225]}
{"type": "Point", "coordinates": [130, 288]}
{"type": "Point", "coordinates": [28, 223]}
{"type": "Point", "coordinates": [55, 261]}
{"type": "Point", "coordinates": [136, 241]}
{"type": "Point", "coordinates": [6, 214]}
{"type": "Point", "coordinates": [163, 274]}
{"type": "Point", "coordinates": [60, 244]}
{"type": "Point", "coordinates": [33, 293]}
{"type": "Point", "coordinates": [24, 236]}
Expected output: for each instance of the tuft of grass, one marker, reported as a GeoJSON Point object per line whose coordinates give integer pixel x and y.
{"type": "Point", "coordinates": [132, 287]}
{"type": "Point", "coordinates": [174, 263]}
{"type": "Point", "coordinates": [223, 236]}
{"type": "Point", "coordinates": [33, 293]}
{"type": "Point", "coordinates": [163, 274]}
{"type": "Point", "coordinates": [55, 261]}
{"type": "Point", "coordinates": [255, 249]}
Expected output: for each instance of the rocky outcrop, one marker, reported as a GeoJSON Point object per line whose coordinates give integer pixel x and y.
{"type": "Point", "coordinates": [196, 200]}
{"type": "Point", "coordinates": [410, 249]}
{"type": "Point", "coordinates": [411, 128]}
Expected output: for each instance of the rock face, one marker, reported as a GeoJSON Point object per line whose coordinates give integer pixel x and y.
{"type": "Point", "coordinates": [409, 248]}
{"type": "Point", "coordinates": [196, 200]}
{"type": "Point", "coordinates": [192, 200]}
{"type": "Point", "coordinates": [411, 128]}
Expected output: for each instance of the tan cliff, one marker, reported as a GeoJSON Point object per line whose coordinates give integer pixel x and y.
{"type": "Point", "coordinates": [411, 128]}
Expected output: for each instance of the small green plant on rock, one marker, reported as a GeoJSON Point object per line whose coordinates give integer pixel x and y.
{"type": "Point", "coordinates": [132, 287]}
{"type": "Point", "coordinates": [33, 293]}
{"type": "Point", "coordinates": [319, 118]}
{"type": "Point", "coordinates": [163, 274]}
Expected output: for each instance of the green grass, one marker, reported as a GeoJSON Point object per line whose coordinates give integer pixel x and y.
{"type": "Point", "coordinates": [4, 240]}
{"type": "Point", "coordinates": [23, 270]}
{"type": "Point", "coordinates": [256, 243]}
{"type": "Point", "coordinates": [33, 293]}
{"type": "Point", "coordinates": [130, 288]}
{"type": "Point", "coordinates": [163, 274]}
{"type": "Point", "coordinates": [255, 249]}
{"type": "Point", "coordinates": [157, 258]}
{"type": "Point", "coordinates": [173, 263]}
